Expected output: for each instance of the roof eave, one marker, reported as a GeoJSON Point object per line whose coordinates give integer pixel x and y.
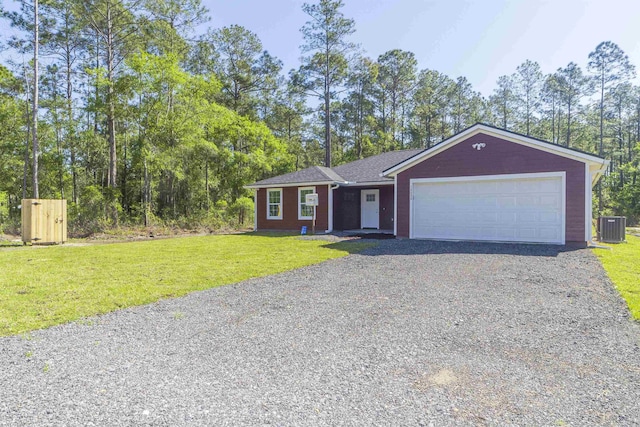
{"type": "Point", "coordinates": [599, 173]}
{"type": "Point", "coordinates": [292, 184]}
{"type": "Point", "coordinates": [368, 183]}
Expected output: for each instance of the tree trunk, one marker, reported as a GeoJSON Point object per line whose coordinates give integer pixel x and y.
{"type": "Point", "coordinates": [125, 171]}
{"type": "Point", "coordinates": [206, 182]}
{"type": "Point", "coordinates": [70, 135]}
{"type": "Point", "coordinates": [360, 124]}
{"type": "Point", "coordinates": [146, 193]}
{"type": "Point", "coordinates": [553, 120]}
{"type": "Point", "coordinates": [95, 83]}
{"type": "Point", "coordinates": [327, 106]}
{"type": "Point", "coordinates": [25, 171]}
{"type": "Point", "coordinates": [327, 130]}
{"type": "Point", "coordinates": [36, 148]}
{"type": "Point", "coordinates": [57, 129]}
{"type": "Point", "coordinates": [111, 125]}
{"type": "Point", "coordinates": [528, 112]}
{"type": "Point", "coordinates": [601, 145]}
{"type": "Point", "coordinates": [569, 124]}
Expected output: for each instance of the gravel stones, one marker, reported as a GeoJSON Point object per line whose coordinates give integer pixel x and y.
{"type": "Point", "coordinates": [407, 333]}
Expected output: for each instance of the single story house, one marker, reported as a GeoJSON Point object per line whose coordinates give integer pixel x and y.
{"type": "Point", "coordinates": [483, 184]}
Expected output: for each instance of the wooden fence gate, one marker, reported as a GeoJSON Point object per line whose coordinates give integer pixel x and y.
{"type": "Point", "coordinates": [44, 221]}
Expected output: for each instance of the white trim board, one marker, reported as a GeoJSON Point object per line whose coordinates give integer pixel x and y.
{"type": "Point", "coordinates": [297, 184]}
{"type": "Point", "coordinates": [502, 177]}
{"type": "Point", "coordinates": [366, 184]}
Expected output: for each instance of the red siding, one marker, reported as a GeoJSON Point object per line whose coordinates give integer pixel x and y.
{"type": "Point", "coordinates": [289, 219]}
{"type": "Point", "coordinates": [499, 157]}
{"type": "Point", "coordinates": [386, 207]}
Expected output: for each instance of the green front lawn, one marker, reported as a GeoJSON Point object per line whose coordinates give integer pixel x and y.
{"type": "Point", "coordinates": [622, 264]}
{"type": "Point", "coordinates": [44, 286]}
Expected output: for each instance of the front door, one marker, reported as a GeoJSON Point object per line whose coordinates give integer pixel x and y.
{"type": "Point", "coordinates": [370, 207]}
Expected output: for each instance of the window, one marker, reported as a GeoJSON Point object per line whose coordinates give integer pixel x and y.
{"type": "Point", "coordinates": [304, 211]}
{"type": "Point", "coordinates": [371, 197]}
{"type": "Point", "coordinates": [274, 203]}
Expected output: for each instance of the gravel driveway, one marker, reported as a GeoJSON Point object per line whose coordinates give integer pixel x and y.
{"type": "Point", "coordinates": [408, 333]}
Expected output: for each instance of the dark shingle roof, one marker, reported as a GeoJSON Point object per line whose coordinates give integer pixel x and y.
{"type": "Point", "coordinates": [331, 173]}
{"type": "Point", "coordinates": [312, 174]}
{"type": "Point", "coordinates": [370, 168]}
{"type": "Point", "coordinates": [365, 170]}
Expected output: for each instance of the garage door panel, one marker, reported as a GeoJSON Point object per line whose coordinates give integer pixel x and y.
{"type": "Point", "coordinates": [507, 218]}
{"type": "Point", "coordinates": [549, 218]}
{"type": "Point", "coordinates": [524, 218]}
{"type": "Point", "coordinates": [527, 186]}
{"type": "Point", "coordinates": [505, 186]}
{"type": "Point", "coordinates": [550, 185]}
{"type": "Point", "coordinates": [486, 217]}
{"type": "Point", "coordinates": [506, 234]}
{"type": "Point", "coordinates": [504, 209]}
{"type": "Point", "coordinates": [550, 233]}
{"type": "Point", "coordinates": [506, 202]}
{"type": "Point", "coordinates": [527, 201]}
{"type": "Point", "coordinates": [551, 200]}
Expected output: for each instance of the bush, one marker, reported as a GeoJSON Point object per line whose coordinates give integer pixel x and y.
{"type": "Point", "coordinates": [241, 211]}
{"type": "Point", "coordinates": [4, 209]}
{"type": "Point", "coordinates": [88, 216]}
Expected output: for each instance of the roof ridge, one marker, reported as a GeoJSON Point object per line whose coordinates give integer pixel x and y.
{"type": "Point", "coordinates": [324, 169]}
{"type": "Point", "coordinates": [392, 152]}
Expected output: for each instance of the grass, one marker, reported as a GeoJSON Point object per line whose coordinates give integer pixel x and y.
{"type": "Point", "coordinates": [622, 264]}
{"type": "Point", "coordinates": [45, 286]}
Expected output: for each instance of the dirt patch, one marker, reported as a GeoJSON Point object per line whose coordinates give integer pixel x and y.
{"type": "Point", "coordinates": [441, 378]}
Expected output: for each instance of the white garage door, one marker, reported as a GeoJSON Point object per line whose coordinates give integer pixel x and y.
{"type": "Point", "coordinates": [516, 208]}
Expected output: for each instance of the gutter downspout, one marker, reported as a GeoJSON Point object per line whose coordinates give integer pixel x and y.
{"type": "Point", "coordinates": [595, 177]}
{"type": "Point", "coordinates": [395, 205]}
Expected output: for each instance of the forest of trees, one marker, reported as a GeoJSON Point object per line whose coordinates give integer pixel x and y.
{"type": "Point", "coordinates": [127, 111]}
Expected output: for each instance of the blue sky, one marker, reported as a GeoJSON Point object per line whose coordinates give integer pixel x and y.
{"type": "Point", "coordinates": [478, 39]}
{"type": "Point", "coordinates": [481, 39]}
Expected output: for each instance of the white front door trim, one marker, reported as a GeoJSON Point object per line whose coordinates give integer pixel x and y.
{"type": "Point", "coordinates": [560, 174]}
{"type": "Point", "coordinates": [370, 210]}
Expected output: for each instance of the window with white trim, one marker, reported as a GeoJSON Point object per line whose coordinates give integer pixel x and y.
{"type": "Point", "coordinates": [274, 203]}
{"type": "Point", "coordinates": [304, 211]}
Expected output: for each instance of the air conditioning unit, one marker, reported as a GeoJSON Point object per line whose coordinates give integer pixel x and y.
{"type": "Point", "coordinates": [611, 229]}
